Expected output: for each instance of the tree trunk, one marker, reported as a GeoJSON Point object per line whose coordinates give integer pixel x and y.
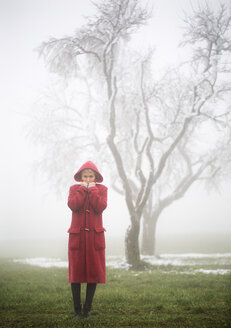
{"type": "Point", "coordinates": [148, 243]}
{"type": "Point", "coordinates": [132, 251]}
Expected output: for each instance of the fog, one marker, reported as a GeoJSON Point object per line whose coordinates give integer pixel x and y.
{"type": "Point", "coordinates": [33, 219]}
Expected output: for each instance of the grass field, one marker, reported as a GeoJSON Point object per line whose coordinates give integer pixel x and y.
{"type": "Point", "coordinates": [31, 296]}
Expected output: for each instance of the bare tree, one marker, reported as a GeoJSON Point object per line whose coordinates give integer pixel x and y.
{"type": "Point", "coordinates": [210, 35]}
{"type": "Point", "coordinates": [209, 171]}
{"type": "Point", "coordinates": [150, 127]}
{"type": "Point", "coordinates": [62, 125]}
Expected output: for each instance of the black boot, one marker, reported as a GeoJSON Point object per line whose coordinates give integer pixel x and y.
{"type": "Point", "coordinates": [86, 310]}
{"type": "Point", "coordinates": [78, 311]}
{"type": "Point", "coordinates": [89, 298]}
{"type": "Point", "coordinates": [76, 290]}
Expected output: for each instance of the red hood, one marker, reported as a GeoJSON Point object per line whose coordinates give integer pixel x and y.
{"type": "Point", "coordinates": [88, 165]}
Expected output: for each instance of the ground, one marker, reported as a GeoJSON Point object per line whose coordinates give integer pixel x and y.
{"type": "Point", "coordinates": [32, 296]}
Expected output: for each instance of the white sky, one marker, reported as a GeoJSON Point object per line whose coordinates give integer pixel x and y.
{"type": "Point", "coordinates": [26, 211]}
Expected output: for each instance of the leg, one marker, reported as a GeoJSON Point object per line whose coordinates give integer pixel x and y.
{"type": "Point", "coordinates": [89, 298]}
{"type": "Point", "coordinates": [76, 293]}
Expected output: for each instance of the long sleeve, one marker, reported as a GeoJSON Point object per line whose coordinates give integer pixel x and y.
{"type": "Point", "coordinates": [98, 198]}
{"type": "Point", "coordinates": [76, 198]}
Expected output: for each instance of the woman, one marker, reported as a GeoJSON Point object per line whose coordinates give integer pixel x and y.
{"type": "Point", "coordinates": [86, 247]}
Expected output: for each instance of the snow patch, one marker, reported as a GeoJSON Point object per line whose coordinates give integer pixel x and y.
{"type": "Point", "coordinates": [117, 262]}
{"type": "Point", "coordinates": [175, 260]}
{"type": "Point", "coordinates": [189, 259]}
{"type": "Point", "coordinates": [43, 262]}
{"type": "Point", "coordinates": [197, 255]}
{"type": "Point", "coordinates": [217, 271]}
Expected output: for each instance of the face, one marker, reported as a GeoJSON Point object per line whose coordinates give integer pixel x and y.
{"type": "Point", "coordinates": [88, 176]}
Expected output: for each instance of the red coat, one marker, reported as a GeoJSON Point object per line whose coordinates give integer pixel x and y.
{"type": "Point", "coordinates": [86, 247]}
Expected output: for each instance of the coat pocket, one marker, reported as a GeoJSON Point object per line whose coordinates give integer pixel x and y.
{"type": "Point", "coordinates": [74, 239]}
{"type": "Point", "coordinates": [99, 240]}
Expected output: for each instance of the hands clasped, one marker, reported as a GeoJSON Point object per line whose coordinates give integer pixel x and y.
{"type": "Point", "coordinates": [87, 185]}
